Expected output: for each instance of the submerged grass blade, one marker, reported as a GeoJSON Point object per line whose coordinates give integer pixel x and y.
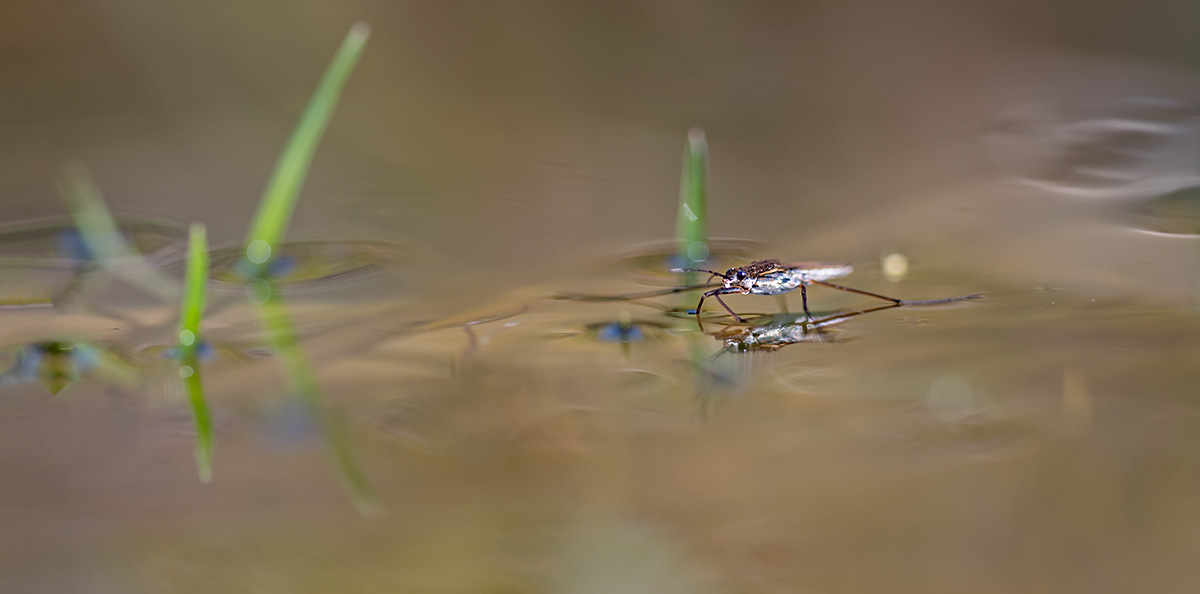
{"type": "Point", "coordinates": [691, 228]}
{"type": "Point", "coordinates": [189, 343]}
{"type": "Point", "coordinates": [279, 198]}
{"type": "Point", "coordinates": [189, 370]}
{"type": "Point", "coordinates": [300, 373]}
{"type": "Point", "coordinates": [100, 235]}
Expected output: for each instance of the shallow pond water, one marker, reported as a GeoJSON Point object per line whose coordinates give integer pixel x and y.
{"type": "Point", "coordinates": [520, 441]}
{"type": "Point", "coordinates": [494, 181]}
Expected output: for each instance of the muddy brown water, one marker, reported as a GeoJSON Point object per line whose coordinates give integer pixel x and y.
{"type": "Point", "coordinates": [1043, 439]}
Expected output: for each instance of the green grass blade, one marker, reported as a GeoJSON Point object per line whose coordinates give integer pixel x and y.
{"type": "Point", "coordinates": [691, 228]}
{"type": "Point", "coordinates": [99, 232]}
{"type": "Point", "coordinates": [300, 373]}
{"type": "Point", "coordinates": [194, 285]}
{"type": "Point", "coordinates": [279, 198]}
{"type": "Point", "coordinates": [192, 311]}
{"type": "Point", "coordinates": [266, 233]}
{"type": "Point", "coordinates": [95, 223]}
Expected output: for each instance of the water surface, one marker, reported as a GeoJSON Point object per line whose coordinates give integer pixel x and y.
{"type": "Point", "coordinates": [1043, 439]}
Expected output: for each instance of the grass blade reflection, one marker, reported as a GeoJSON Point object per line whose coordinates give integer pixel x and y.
{"type": "Point", "coordinates": [262, 242]}
{"type": "Point", "coordinates": [300, 373]}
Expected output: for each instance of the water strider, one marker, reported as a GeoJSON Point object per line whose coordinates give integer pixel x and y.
{"type": "Point", "coordinates": [772, 277]}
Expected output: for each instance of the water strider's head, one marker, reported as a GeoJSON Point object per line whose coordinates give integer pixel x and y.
{"type": "Point", "coordinates": [734, 278]}
{"type": "Point", "coordinates": [738, 278]}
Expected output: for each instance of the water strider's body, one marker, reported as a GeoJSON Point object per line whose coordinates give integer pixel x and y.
{"type": "Point", "coordinates": [772, 277]}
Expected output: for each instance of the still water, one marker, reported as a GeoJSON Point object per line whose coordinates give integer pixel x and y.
{"type": "Point", "coordinates": [489, 171]}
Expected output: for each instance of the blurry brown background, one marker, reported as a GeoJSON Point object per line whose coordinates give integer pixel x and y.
{"type": "Point", "coordinates": [494, 130]}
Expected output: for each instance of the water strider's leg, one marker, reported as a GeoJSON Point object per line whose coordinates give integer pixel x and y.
{"type": "Point", "coordinates": [859, 291]}
{"type": "Point", "coordinates": [735, 316]}
{"type": "Point", "coordinates": [898, 301]}
{"type": "Point", "coordinates": [804, 301]}
{"type": "Point", "coordinates": [818, 323]}
{"type": "Point", "coordinates": [629, 296]}
{"type": "Point", "coordinates": [699, 305]}
{"type": "Point", "coordinates": [717, 294]}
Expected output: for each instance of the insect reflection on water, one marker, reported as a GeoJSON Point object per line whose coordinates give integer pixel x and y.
{"type": "Point", "coordinates": [771, 333]}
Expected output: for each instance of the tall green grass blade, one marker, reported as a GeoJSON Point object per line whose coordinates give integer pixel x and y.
{"type": "Point", "coordinates": [100, 235]}
{"type": "Point", "coordinates": [304, 382]}
{"type": "Point", "coordinates": [279, 197]}
{"type": "Point", "coordinates": [195, 284]}
{"type": "Point", "coordinates": [189, 343]}
{"type": "Point", "coordinates": [267, 232]}
{"type": "Point", "coordinates": [691, 228]}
